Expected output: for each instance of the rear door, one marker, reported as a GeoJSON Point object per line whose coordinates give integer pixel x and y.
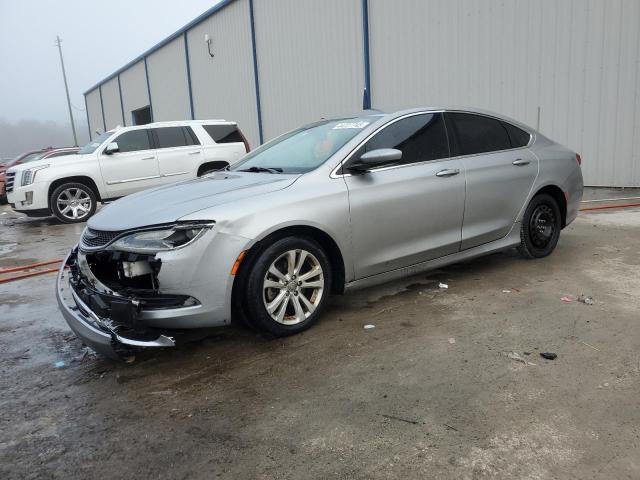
{"type": "Point", "coordinates": [411, 212]}
{"type": "Point", "coordinates": [179, 153]}
{"type": "Point", "coordinates": [134, 167]}
{"type": "Point", "coordinates": [500, 173]}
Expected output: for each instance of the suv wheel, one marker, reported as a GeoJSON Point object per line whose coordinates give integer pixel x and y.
{"type": "Point", "coordinates": [73, 202]}
{"type": "Point", "coordinates": [540, 228]}
{"type": "Point", "coordinates": [287, 286]}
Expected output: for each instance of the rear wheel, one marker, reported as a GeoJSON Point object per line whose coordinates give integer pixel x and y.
{"type": "Point", "coordinates": [287, 286]}
{"type": "Point", "coordinates": [73, 202]}
{"type": "Point", "coordinates": [541, 225]}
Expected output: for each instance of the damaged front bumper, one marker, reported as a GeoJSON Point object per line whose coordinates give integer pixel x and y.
{"type": "Point", "coordinates": [101, 333]}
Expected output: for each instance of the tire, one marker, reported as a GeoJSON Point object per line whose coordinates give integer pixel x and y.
{"type": "Point", "coordinates": [272, 284]}
{"type": "Point", "coordinates": [540, 229]}
{"type": "Point", "coordinates": [73, 202]}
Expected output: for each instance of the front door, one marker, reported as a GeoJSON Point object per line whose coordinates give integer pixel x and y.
{"type": "Point", "coordinates": [133, 168]}
{"type": "Point", "coordinates": [410, 212]}
{"type": "Point", "coordinates": [500, 174]}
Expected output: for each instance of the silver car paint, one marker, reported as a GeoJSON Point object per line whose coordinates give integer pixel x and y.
{"type": "Point", "coordinates": [387, 223]}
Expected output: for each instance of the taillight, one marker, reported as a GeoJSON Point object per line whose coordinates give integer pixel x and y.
{"type": "Point", "coordinates": [244, 140]}
{"type": "Point", "coordinates": [578, 159]}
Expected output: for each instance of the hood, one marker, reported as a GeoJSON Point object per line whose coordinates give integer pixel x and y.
{"type": "Point", "coordinates": [72, 157]}
{"type": "Point", "coordinates": [171, 202]}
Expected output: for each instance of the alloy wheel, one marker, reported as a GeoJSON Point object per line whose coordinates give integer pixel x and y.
{"type": "Point", "coordinates": [293, 287]}
{"type": "Point", "coordinates": [74, 203]}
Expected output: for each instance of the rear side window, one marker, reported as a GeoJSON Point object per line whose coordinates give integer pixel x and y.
{"type": "Point", "coordinates": [224, 133]}
{"type": "Point", "coordinates": [479, 134]}
{"type": "Point", "coordinates": [519, 138]}
{"type": "Point", "coordinates": [169, 137]}
{"type": "Point", "coordinates": [419, 137]}
{"type": "Point", "coordinates": [133, 141]}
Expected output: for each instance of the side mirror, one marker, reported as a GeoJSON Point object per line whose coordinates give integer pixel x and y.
{"type": "Point", "coordinates": [375, 158]}
{"type": "Point", "coordinates": [112, 148]}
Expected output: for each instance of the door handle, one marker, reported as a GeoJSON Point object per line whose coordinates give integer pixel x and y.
{"type": "Point", "coordinates": [448, 172]}
{"type": "Point", "coordinates": [520, 162]}
{"type": "Point", "coordinates": [148, 158]}
{"type": "Point", "coordinates": [194, 153]}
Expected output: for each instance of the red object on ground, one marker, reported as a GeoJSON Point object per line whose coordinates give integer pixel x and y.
{"type": "Point", "coordinates": [23, 268]}
{"type": "Point", "coordinates": [604, 207]}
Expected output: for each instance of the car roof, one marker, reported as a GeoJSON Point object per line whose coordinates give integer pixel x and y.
{"type": "Point", "coordinates": [176, 123]}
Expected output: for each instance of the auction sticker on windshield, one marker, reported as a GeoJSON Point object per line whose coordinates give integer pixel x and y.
{"type": "Point", "coordinates": [359, 125]}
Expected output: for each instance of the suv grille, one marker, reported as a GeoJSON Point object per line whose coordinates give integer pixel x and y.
{"type": "Point", "coordinates": [98, 238]}
{"type": "Point", "coordinates": [9, 180]}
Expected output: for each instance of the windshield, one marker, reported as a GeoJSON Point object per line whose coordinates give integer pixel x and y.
{"type": "Point", "coordinates": [95, 143]}
{"type": "Point", "coordinates": [304, 149]}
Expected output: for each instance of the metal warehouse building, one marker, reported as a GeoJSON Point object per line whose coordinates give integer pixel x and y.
{"type": "Point", "coordinates": [569, 67]}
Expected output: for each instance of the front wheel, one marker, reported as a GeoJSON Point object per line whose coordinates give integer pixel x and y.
{"type": "Point", "coordinates": [287, 286]}
{"type": "Point", "coordinates": [541, 225]}
{"type": "Point", "coordinates": [73, 202]}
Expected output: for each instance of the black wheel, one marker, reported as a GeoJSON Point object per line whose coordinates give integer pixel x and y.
{"type": "Point", "coordinates": [540, 228]}
{"type": "Point", "coordinates": [73, 202]}
{"type": "Point", "coordinates": [287, 286]}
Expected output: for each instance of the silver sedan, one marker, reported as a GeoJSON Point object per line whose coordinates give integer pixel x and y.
{"type": "Point", "coordinates": [332, 206]}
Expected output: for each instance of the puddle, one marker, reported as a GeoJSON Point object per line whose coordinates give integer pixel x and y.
{"type": "Point", "coordinates": [6, 248]}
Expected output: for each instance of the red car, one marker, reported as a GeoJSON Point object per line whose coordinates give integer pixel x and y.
{"type": "Point", "coordinates": [31, 156]}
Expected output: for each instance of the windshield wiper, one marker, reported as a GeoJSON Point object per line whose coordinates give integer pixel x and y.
{"type": "Point", "coordinates": [262, 169]}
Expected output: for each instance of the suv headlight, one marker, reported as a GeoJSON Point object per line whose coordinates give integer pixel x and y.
{"type": "Point", "coordinates": [29, 176]}
{"type": "Point", "coordinates": [152, 241]}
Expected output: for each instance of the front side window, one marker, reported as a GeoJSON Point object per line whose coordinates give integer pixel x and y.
{"type": "Point", "coordinates": [479, 134]}
{"type": "Point", "coordinates": [420, 138]}
{"type": "Point", "coordinates": [95, 143]}
{"type": "Point", "coordinates": [133, 141]}
{"type": "Point", "coordinates": [304, 149]}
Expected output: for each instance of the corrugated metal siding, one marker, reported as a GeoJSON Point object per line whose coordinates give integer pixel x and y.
{"type": "Point", "coordinates": [111, 103]}
{"type": "Point", "coordinates": [577, 60]}
{"type": "Point", "coordinates": [134, 89]}
{"type": "Point", "coordinates": [309, 61]}
{"type": "Point", "coordinates": [94, 112]}
{"type": "Point", "coordinates": [223, 86]}
{"type": "Point", "coordinates": [167, 69]}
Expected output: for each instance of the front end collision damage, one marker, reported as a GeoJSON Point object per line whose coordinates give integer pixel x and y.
{"type": "Point", "coordinates": [117, 301]}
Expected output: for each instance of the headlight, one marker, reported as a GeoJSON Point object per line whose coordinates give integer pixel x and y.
{"type": "Point", "coordinates": [29, 176]}
{"type": "Point", "coordinates": [152, 241]}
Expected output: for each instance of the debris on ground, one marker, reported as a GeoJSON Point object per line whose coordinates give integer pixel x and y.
{"type": "Point", "coordinates": [452, 341]}
{"type": "Point", "coordinates": [506, 291]}
{"type": "Point", "coordinates": [369, 327]}
{"type": "Point", "coordinates": [549, 355]}
{"type": "Point", "coordinates": [443, 285]}
{"type": "Point", "coordinates": [60, 364]}
{"type": "Point", "coordinates": [587, 300]}
{"type": "Point", "coordinates": [590, 346]}
{"type": "Point", "coordinates": [567, 298]}
{"type": "Point", "coordinates": [516, 356]}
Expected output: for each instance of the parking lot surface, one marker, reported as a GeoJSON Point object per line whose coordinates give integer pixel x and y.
{"type": "Point", "coordinates": [449, 383]}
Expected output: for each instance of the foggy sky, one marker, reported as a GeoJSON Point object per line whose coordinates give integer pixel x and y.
{"type": "Point", "coordinates": [97, 39]}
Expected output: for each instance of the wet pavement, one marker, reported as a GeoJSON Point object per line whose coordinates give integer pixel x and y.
{"type": "Point", "coordinates": [449, 383]}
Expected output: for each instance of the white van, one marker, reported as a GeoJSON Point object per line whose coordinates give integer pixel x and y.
{"type": "Point", "coordinates": [123, 161]}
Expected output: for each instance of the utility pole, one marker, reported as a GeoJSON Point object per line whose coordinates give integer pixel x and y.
{"type": "Point", "coordinates": [66, 89]}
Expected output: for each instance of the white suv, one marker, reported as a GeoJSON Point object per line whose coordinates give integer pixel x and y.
{"type": "Point", "coordinates": [120, 162]}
